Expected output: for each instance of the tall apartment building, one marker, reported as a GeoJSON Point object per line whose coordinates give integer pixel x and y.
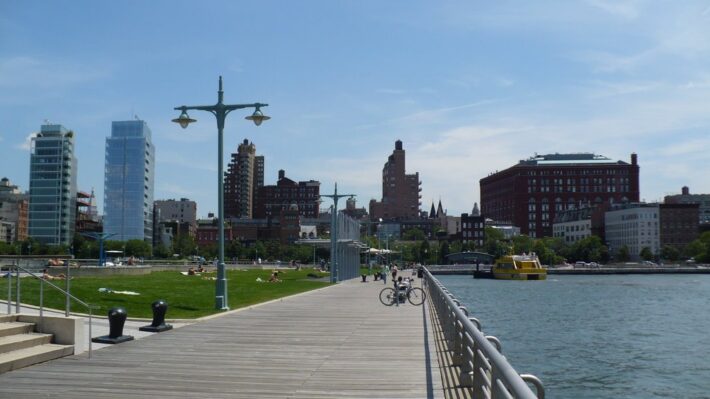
{"type": "Point", "coordinates": [129, 181]}
{"type": "Point", "coordinates": [274, 199]}
{"type": "Point", "coordinates": [182, 211]}
{"type": "Point", "coordinates": [531, 193]}
{"type": "Point", "coordinates": [400, 191]}
{"type": "Point", "coordinates": [703, 201]}
{"type": "Point", "coordinates": [13, 212]}
{"type": "Point", "coordinates": [53, 174]}
{"type": "Point", "coordinates": [244, 177]}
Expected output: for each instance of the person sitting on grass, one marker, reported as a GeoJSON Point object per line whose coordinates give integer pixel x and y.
{"type": "Point", "coordinates": [47, 276]}
{"type": "Point", "coordinates": [200, 269]}
{"type": "Point", "coordinates": [274, 277]}
{"type": "Point", "coordinates": [191, 271]}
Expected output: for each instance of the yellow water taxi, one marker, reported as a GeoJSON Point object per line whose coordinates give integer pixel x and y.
{"type": "Point", "coordinates": [519, 267]}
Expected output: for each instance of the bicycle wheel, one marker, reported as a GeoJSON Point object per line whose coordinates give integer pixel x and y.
{"type": "Point", "coordinates": [387, 297]}
{"type": "Point", "coordinates": [416, 296]}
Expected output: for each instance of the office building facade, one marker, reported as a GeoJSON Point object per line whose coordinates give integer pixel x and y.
{"type": "Point", "coordinates": [703, 201]}
{"type": "Point", "coordinates": [53, 176]}
{"type": "Point", "coordinates": [531, 193]}
{"type": "Point", "coordinates": [129, 182]}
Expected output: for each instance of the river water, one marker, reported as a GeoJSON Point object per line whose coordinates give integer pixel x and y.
{"type": "Point", "coordinates": [614, 336]}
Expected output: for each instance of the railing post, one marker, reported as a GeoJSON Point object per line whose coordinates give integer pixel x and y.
{"type": "Point", "coordinates": [67, 279]}
{"type": "Point", "coordinates": [17, 289]}
{"type": "Point", "coordinates": [457, 346]}
{"type": "Point", "coordinates": [41, 305]}
{"type": "Point", "coordinates": [9, 289]}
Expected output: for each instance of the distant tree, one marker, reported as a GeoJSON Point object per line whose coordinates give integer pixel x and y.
{"type": "Point", "coordinates": [138, 248]}
{"type": "Point", "coordinates": [413, 235]}
{"type": "Point", "coordinates": [623, 254]}
{"type": "Point", "coordinates": [443, 252]}
{"type": "Point", "coordinates": [646, 253]}
{"type": "Point", "coordinates": [694, 249]}
{"type": "Point", "coordinates": [522, 244]}
{"type": "Point", "coordinates": [424, 250]}
{"type": "Point", "coordinates": [670, 253]}
{"type": "Point", "coordinates": [161, 251]}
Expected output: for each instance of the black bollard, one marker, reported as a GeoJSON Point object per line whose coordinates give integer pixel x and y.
{"type": "Point", "coordinates": [364, 278]}
{"type": "Point", "coordinates": [160, 307]}
{"type": "Point", "coordinates": [116, 320]}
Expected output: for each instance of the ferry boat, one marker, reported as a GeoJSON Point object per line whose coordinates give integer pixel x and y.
{"type": "Point", "coordinates": [518, 267]}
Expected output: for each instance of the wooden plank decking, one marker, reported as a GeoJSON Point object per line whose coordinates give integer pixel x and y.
{"type": "Point", "coordinates": [338, 342]}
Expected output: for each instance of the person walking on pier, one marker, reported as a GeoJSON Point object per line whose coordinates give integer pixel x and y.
{"type": "Point", "coordinates": [385, 272]}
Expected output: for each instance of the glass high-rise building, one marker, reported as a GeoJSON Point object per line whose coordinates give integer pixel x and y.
{"type": "Point", "coordinates": [129, 182]}
{"type": "Point", "coordinates": [53, 172]}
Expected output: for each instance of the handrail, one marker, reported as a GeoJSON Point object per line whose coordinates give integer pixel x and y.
{"type": "Point", "coordinates": [483, 368]}
{"type": "Point", "coordinates": [41, 296]}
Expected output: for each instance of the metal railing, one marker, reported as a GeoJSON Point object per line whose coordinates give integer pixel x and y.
{"type": "Point", "coordinates": [483, 368]}
{"type": "Point", "coordinates": [42, 281]}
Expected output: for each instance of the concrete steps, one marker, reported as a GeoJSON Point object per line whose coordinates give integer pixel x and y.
{"type": "Point", "coordinates": [20, 346]}
{"type": "Point", "coordinates": [20, 358]}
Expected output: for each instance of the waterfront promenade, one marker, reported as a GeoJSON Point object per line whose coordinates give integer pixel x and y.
{"type": "Point", "coordinates": [336, 342]}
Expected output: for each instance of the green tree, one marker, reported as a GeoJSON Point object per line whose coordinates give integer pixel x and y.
{"type": "Point", "coordinates": [670, 253]}
{"type": "Point", "coordinates": [623, 254]}
{"type": "Point", "coordinates": [522, 243]}
{"type": "Point", "coordinates": [137, 248]}
{"type": "Point", "coordinates": [646, 253]}
{"type": "Point", "coordinates": [161, 251]}
{"type": "Point", "coordinates": [443, 252]}
{"type": "Point", "coordinates": [424, 250]}
{"type": "Point", "coordinates": [414, 234]}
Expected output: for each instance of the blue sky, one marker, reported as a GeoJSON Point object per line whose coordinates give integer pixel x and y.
{"type": "Point", "coordinates": [470, 87]}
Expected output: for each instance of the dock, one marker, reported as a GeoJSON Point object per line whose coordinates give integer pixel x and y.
{"type": "Point", "coordinates": [335, 342]}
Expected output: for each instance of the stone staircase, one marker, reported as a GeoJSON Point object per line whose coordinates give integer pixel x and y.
{"type": "Point", "coordinates": [21, 346]}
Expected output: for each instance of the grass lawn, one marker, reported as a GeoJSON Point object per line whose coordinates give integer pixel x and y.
{"type": "Point", "coordinates": [187, 296]}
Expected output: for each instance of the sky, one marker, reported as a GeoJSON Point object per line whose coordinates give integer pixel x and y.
{"type": "Point", "coordinates": [470, 87]}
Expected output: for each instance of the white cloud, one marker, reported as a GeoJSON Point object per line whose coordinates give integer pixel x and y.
{"type": "Point", "coordinates": [27, 144]}
{"type": "Point", "coordinates": [625, 9]}
{"type": "Point", "coordinates": [23, 71]}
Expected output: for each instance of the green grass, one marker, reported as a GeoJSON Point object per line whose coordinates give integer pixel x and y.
{"type": "Point", "coordinates": [187, 296]}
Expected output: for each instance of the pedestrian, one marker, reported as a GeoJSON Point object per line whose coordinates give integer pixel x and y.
{"type": "Point", "coordinates": [385, 271]}
{"type": "Point", "coordinates": [394, 272]}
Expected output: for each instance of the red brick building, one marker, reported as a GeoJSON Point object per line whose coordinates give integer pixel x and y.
{"type": "Point", "coordinates": [273, 199]}
{"type": "Point", "coordinates": [678, 224]}
{"type": "Point", "coordinates": [400, 191]}
{"type": "Point", "coordinates": [531, 193]}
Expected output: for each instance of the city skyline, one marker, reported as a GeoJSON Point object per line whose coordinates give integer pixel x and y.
{"type": "Point", "coordinates": [470, 88]}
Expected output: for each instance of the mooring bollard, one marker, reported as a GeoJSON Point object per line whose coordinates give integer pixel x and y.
{"type": "Point", "coordinates": [160, 307]}
{"type": "Point", "coordinates": [116, 320]}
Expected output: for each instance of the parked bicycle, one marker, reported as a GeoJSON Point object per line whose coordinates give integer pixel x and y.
{"type": "Point", "coordinates": [403, 291]}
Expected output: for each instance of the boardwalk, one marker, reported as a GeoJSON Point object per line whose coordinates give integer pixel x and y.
{"type": "Point", "coordinates": [338, 342]}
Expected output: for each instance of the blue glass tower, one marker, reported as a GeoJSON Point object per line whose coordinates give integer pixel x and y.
{"type": "Point", "coordinates": [129, 182]}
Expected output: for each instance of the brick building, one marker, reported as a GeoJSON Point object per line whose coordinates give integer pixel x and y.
{"type": "Point", "coordinates": [678, 224]}
{"type": "Point", "coordinates": [531, 193]}
{"type": "Point", "coordinates": [271, 200]}
{"type": "Point", "coordinates": [400, 191]}
{"type": "Point", "coordinates": [703, 201]}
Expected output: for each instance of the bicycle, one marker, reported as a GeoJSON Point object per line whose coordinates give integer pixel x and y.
{"type": "Point", "coordinates": [415, 295]}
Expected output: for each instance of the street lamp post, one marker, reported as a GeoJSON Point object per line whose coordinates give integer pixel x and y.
{"type": "Point", "coordinates": [220, 111]}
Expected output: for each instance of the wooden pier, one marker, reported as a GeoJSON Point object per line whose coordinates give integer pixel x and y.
{"type": "Point", "coordinates": [337, 342]}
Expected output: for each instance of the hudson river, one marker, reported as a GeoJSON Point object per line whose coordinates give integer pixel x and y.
{"type": "Point", "coordinates": [617, 336]}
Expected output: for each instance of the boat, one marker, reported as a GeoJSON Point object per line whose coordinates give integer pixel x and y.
{"type": "Point", "coordinates": [518, 267]}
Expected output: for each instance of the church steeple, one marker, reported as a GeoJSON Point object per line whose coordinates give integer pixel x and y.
{"type": "Point", "coordinates": [440, 210]}
{"type": "Point", "coordinates": [432, 212]}
{"type": "Point", "coordinates": [475, 211]}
